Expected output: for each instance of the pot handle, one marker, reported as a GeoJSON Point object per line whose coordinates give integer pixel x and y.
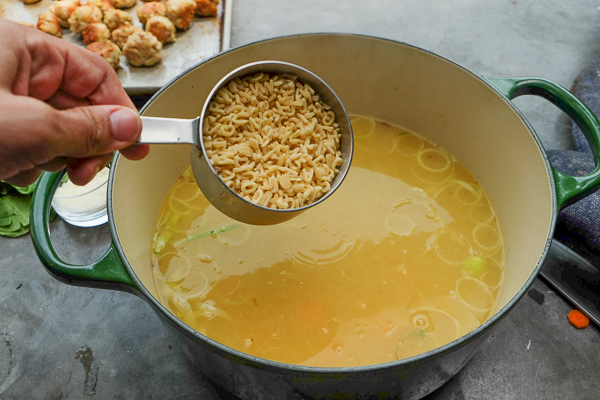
{"type": "Point", "coordinates": [569, 189]}
{"type": "Point", "coordinates": [107, 273]}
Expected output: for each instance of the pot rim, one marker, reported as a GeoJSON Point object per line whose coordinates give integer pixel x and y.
{"type": "Point", "coordinates": [270, 364]}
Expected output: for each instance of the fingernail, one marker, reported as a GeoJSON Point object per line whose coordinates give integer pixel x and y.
{"type": "Point", "coordinates": [125, 124]}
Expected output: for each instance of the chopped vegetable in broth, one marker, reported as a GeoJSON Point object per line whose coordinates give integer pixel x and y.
{"type": "Point", "coordinates": [405, 257]}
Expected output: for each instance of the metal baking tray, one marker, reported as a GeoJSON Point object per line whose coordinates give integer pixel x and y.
{"type": "Point", "coordinates": [574, 277]}
{"type": "Point", "coordinates": [205, 38]}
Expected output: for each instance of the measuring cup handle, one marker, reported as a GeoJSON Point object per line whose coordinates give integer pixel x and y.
{"type": "Point", "coordinates": [170, 131]}
{"type": "Point", "coordinates": [569, 188]}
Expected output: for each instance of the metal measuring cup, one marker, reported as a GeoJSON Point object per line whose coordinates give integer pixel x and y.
{"type": "Point", "coordinates": [189, 131]}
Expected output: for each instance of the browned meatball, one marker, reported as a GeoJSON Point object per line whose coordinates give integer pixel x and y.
{"type": "Point", "coordinates": [47, 22]}
{"type": "Point", "coordinates": [207, 8]}
{"type": "Point", "coordinates": [162, 28]}
{"type": "Point", "coordinates": [95, 32]}
{"type": "Point", "coordinates": [63, 10]}
{"type": "Point", "coordinates": [84, 15]}
{"type": "Point", "coordinates": [151, 9]}
{"type": "Point", "coordinates": [107, 50]}
{"type": "Point", "coordinates": [124, 3]}
{"type": "Point", "coordinates": [30, 1]}
{"type": "Point", "coordinates": [142, 49]}
{"type": "Point", "coordinates": [103, 5]}
{"type": "Point", "coordinates": [120, 35]}
{"type": "Point", "coordinates": [115, 18]}
{"type": "Point", "coordinates": [180, 12]}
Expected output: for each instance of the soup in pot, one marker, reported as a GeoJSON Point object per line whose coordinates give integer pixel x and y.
{"type": "Point", "coordinates": [405, 257]}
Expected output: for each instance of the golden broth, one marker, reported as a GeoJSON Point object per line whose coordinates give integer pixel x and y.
{"type": "Point", "coordinates": [406, 256]}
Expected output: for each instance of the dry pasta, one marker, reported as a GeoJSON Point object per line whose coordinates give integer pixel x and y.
{"type": "Point", "coordinates": [272, 140]}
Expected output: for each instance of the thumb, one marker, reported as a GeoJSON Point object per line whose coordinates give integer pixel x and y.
{"type": "Point", "coordinates": [93, 130]}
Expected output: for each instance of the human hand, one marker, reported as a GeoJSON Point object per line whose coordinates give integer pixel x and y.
{"type": "Point", "coordinates": [60, 106]}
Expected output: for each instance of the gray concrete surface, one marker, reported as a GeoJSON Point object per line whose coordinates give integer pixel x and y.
{"type": "Point", "coordinates": [60, 342]}
{"type": "Point", "coordinates": [551, 39]}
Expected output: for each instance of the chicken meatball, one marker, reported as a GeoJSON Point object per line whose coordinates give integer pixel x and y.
{"type": "Point", "coordinates": [107, 50]}
{"type": "Point", "coordinates": [47, 22]}
{"type": "Point", "coordinates": [95, 32]}
{"type": "Point", "coordinates": [84, 15]}
{"type": "Point", "coordinates": [103, 5]}
{"type": "Point", "coordinates": [120, 35]}
{"type": "Point", "coordinates": [206, 8]}
{"type": "Point", "coordinates": [63, 10]}
{"type": "Point", "coordinates": [115, 18]}
{"type": "Point", "coordinates": [142, 49]}
{"type": "Point", "coordinates": [124, 3]}
{"type": "Point", "coordinates": [162, 28]}
{"type": "Point", "coordinates": [180, 12]}
{"type": "Point", "coordinates": [149, 10]}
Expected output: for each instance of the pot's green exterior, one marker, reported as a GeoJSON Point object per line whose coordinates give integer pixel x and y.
{"type": "Point", "coordinates": [106, 273]}
{"type": "Point", "coordinates": [568, 188]}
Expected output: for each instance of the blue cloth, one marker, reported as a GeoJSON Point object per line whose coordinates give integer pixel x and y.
{"type": "Point", "coordinates": [586, 88]}
{"type": "Point", "coordinates": [578, 225]}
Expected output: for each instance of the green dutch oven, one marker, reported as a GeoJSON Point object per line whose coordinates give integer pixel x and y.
{"type": "Point", "coordinates": [467, 114]}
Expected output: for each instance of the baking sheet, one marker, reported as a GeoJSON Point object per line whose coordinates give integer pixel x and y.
{"type": "Point", "coordinates": [205, 38]}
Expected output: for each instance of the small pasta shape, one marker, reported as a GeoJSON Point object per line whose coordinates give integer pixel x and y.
{"type": "Point", "coordinates": [272, 140]}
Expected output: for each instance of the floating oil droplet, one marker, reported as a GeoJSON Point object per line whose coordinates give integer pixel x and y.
{"type": "Point", "coordinates": [422, 322]}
